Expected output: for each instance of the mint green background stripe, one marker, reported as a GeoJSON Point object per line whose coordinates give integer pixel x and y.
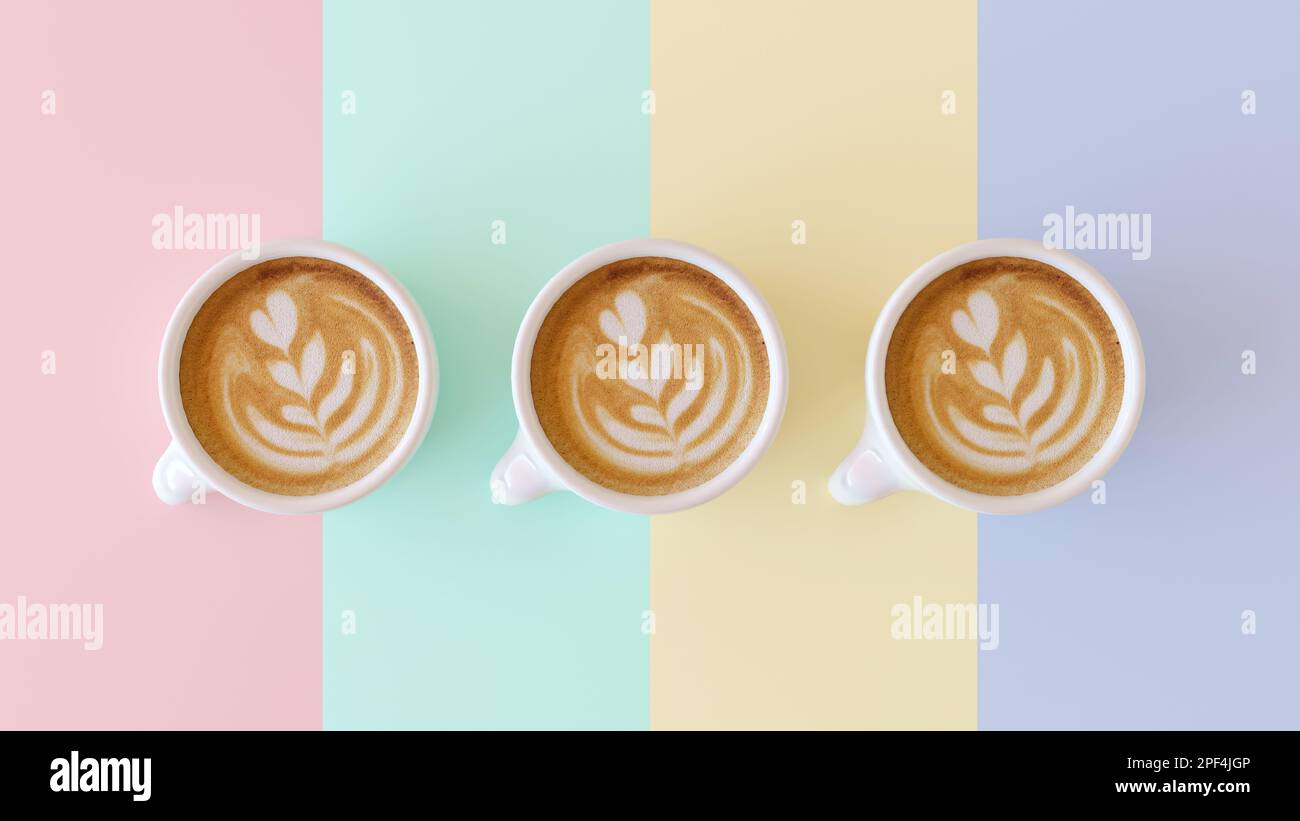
{"type": "Point", "coordinates": [470, 615]}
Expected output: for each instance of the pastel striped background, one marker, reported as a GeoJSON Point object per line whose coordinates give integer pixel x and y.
{"type": "Point", "coordinates": [210, 612]}
{"type": "Point", "coordinates": [771, 606]}
{"type": "Point", "coordinates": [1130, 614]}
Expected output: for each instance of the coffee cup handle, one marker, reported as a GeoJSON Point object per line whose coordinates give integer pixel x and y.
{"type": "Point", "coordinates": [864, 476]}
{"type": "Point", "coordinates": [520, 477]}
{"type": "Point", "coordinates": [174, 478]}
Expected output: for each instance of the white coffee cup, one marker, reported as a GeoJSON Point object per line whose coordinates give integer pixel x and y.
{"type": "Point", "coordinates": [532, 468]}
{"type": "Point", "coordinates": [882, 463]}
{"type": "Point", "coordinates": [185, 464]}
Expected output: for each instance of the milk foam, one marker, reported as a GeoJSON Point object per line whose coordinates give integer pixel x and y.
{"type": "Point", "coordinates": [300, 382]}
{"type": "Point", "coordinates": [642, 432]}
{"type": "Point", "coordinates": [1036, 384]}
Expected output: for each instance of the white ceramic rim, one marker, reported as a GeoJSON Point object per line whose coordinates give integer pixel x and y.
{"type": "Point", "coordinates": [915, 475]}
{"type": "Point", "coordinates": [521, 385]}
{"type": "Point", "coordinates": [174, 411]}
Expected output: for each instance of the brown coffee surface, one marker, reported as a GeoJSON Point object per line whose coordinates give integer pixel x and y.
{"type": "Point", "coordinates": [1004, 376]}
{"type": "Point", "coordinates": [299, 376]}
{"type": "Point", "coordinates": [677, 412]}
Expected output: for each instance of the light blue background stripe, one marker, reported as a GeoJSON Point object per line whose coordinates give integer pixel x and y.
{"type": "Point", "coordinates": [1128, 615]}
{"type": "Point", "coordinates": [470, 615]}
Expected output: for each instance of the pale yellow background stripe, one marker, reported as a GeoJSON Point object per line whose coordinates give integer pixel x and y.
{"type": "Point", "coordinates": [770, 613]}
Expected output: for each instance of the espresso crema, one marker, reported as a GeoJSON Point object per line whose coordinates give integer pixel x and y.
{"type": "Point", "coordinates": [1004, 376]}
{"type": "Point", "coordinates": [649, 376]}
{"type": "Point", "coordinates": [299, 376]}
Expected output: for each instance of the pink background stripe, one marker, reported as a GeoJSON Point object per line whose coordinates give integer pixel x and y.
{"type": "Point", "coordinates": [211, 614]}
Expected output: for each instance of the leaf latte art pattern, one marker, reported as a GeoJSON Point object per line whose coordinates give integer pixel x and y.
{"type": "Point", "coordinates": [1004, 376]}
{"type": "Point", "coordinates": [298, 376]}
{"type": "Point", "coordinates": [649, 376]}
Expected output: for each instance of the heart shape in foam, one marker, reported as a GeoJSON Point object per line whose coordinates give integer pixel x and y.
{"type": "Point", "coordinates": [980, 326]}
{"type": "Point", "coordinates": [629, 322]}
{"type": "Point", "coordinates": [281, 326]}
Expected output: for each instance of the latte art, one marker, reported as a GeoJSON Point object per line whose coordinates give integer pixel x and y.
{"type": "Point", "coordinates": [649, 376]}
{"type": "Point", "coordinates": [1004, 376]}
{"type": "Point", "coordinates": [298, 376]}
